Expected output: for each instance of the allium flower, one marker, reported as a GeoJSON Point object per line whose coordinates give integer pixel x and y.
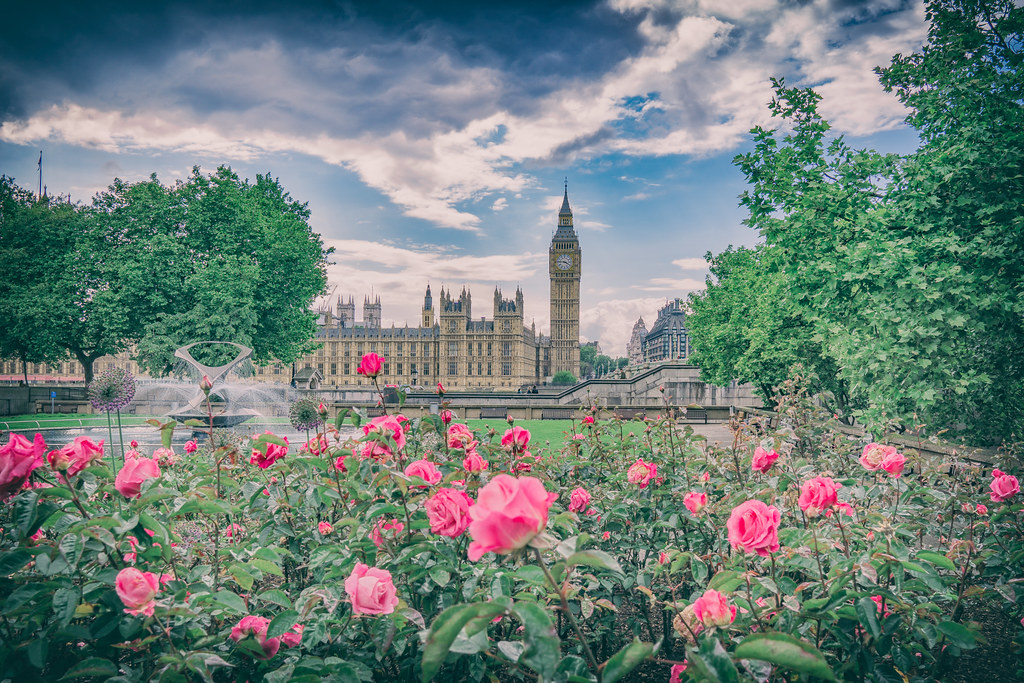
{"type": "Point", "coordinates": [112, 390]}
{"type": "Point", "coordinates": [305, 414]}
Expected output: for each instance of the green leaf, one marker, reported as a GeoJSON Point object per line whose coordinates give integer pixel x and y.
{"type": "Point", "coordinates": [167, 433]}
{"type": "Point", "coordinates": [787, 652]}
{"type": "Point", "coordinates": [446, 626]}
{"type": "Point", "coordinates": [195, 423]}
{"type": "Point", "coordinates": [867, 613]}
{"type": "Point", "coordinates": [92, 668]}
{"type": "Point", "coordinates": [937, 559]}
{"type": "Point", "coordinates": [594, 558]}
{"type": "Point", "coordinates": [725, 581]}
{"type": "Point", "coordinates": [713, 663]}
{"type": "Point", "coordinates": [14, 560]}
{"type": "Point", "coordinates": [270, 438]}
{"type": "Point", "coordinates": [625, 660]}
{"type": "Point", "coordinates": [542, 645]}
{"type": "Point", "coordinates": [958, 635]}
{"type": "Point", "coordinates": [266, 566]}
{"type": "Point", "coordinates": [275, 596]}
{"type": "Point", "coordinates": [230, 600]}
{"type": "Point", "coordinates": [282, 623]}
{"type": "Point", "coordinates": [25, 512]}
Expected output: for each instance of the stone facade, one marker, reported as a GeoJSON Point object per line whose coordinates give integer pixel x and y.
{"type": "Point", "coordinates": [635, 345]}
{"type": "Point", "coordinates": [668, 339]}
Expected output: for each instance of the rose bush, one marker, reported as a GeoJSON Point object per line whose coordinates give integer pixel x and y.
{"type": "Point", "coordinates": [235, 568]}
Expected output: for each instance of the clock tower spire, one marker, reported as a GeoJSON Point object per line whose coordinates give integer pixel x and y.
{"type": "Point", "coordinates": [564, 274]}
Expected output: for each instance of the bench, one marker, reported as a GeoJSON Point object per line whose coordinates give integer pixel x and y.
{"type": "Point", "coordinates": [376, 411]}
{"type": "Point", "coordinates": [696, 414]}
{"type": "Point", "coordinates": [557, 413]}
{"type": "Point", "coordinates": [492, 411]}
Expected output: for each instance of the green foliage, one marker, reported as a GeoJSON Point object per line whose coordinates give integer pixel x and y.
{"type": "Point", "coordinates": [898, 278]}
{"type": "Point", "coordinates": [213, 258]}
{"type": "Point", "coordinates": [563, 378]}
{"type": "Point", "coordinates": [850, 598]}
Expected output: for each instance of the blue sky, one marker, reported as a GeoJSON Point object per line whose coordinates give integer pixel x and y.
{"type": "Point", "coordinates": [431, 139]}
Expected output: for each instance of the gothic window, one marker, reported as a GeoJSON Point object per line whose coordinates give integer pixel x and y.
{"type": "Point", "coordinates": [345, 368]}
{"type": "Point", "coordinates": [479, 368]}
{"type": "Point", "coordinates": [488, 368]}
{"type": "Point", "coordinates": [334, 368]}
{"type": "Point", "coordinates": [506, 369]}
{"type": "Point", "coordinates": [453, 348]}
{"type": "Point", "coordinates": [398, 368]}
{"type": "Point", "coordinates": [506, 349]}
{"type": "Point", "coordinates": [399, 349]}
{"type": "Point", "coordinates": [506, 326]}
{"type": "Point", "coordinates": [452, 367]}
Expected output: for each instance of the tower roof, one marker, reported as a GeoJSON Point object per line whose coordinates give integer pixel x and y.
{"type": "Point", "coordinates": [565, 210]}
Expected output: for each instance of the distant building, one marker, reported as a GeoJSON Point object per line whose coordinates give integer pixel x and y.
{"type": "Point", "coordinates": [635, 345]}
{"type": "Point", "coordinates": [668, 338]}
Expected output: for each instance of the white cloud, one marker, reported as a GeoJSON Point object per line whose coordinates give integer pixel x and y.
{"type": "Point", "coordinates": [691, 263]}
{"type": "Point", "coordinates": [500, 204]}
{"type": "Point", "coordinates": [674, 286]}
{"type": "Point", "coordinates": [612, 322]}
{"type": "Point", "coordinates": [431, 136]}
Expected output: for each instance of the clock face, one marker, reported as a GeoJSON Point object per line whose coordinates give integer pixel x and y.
{"type": "Point", "coordinates": [564, 262]}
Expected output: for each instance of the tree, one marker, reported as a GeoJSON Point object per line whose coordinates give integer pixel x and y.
{"type": "Point", "coordinates": [30, 230]}
{"type": "Point", "coordinates": [563, 378]}
{"type": "Point", "coordinates": [910, 270]}
{"type": "Point", "coordinates": [213, 258]}
{"type": "Point", "coordinates": [744, 327]}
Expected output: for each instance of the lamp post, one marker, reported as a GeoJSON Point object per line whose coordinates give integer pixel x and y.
{"type": "Point", "coordinates": [415, 375]}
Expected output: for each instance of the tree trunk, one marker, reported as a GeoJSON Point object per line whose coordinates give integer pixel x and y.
{"type": "Point", "coordinates": [24, 369]}
{"type": "Point", "coordinates": [86, 360]}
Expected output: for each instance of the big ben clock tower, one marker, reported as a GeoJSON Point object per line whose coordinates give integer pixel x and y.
{"type": "Point", "coordinates": [564, 273]}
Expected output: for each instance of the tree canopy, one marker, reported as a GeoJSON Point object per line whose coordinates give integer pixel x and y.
{"type": "Point", "coordinates": [156, 267]}
{"type": "Point", "coordinates": [903, 275]}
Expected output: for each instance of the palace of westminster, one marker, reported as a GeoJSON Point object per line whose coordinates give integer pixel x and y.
{"type": "Point", "coordinates": [448, 345]}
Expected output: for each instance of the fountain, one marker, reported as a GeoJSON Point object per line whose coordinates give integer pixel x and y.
{"type": "Point", "coordinates": [196, 408]}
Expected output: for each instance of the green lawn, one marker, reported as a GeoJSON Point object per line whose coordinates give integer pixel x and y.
{"type": "Point", "coordinates": [540, 430]}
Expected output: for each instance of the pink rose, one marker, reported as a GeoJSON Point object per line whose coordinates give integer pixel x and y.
{"type": "Point", "coordinates": [588, 420]}
{"type": "Point", "coordinates": [388, 425]}
{"type": "Point", "coordinates": [17, 460]}
{"type": "Point", "coordinates": [294, 637]}
{"type": "Point", "coordinates": [448, 512]}
{"type": "Point", "coordinates": [1004, 486]}
{"type": "Point", "coordinates": [641, 473]}
{"type": "Point", "coordinates": [128, 481]}
{"type": "Point", "coordinates": [818, 495]}
{"type": "Point", "coordinates": [508, 513]}
{"type": "Point", "coordinates": [234, 532]}
{"type": "Point", "coordinates": [206, 384]}
{"type": "Point", "coordinates": [371, 590]}
{"type": "Point", "coordinates": [981, 509]}
{"type": "Point", "coordinates": [763, 460]}
{"type": "Point", "coordinates": [137, 590]}
{"type": "Point", "coordinates": [446, 416]}
{"type": "Point", "coordinates": [873, 455]}
{"type": "Point", "coordinates": [879, 602]}
{"type": "Point", "coordinates": [893, 463]}
{"type": "Point", "coordinates": [257, 628]}
{"type": "Point", "coordinates": [164, 457]}
{"type": "Point", "coordinates": [339, 463]}
{"type": "Point", "coordinates": [191, 446]}
{"type": "Point", "coordinates": [76, 456]}
{"type": "Point", "coordinates": [473, 462]}
{"type": "Point", "coordinates": [515, 439]}
{"type": "Point", "coordinates": [266, 454]}
{"type": "Point", "coordinates": [676, 673]}
{"type": "Point", "coordinates": [695, 501]}
{"type": "Point", "coordinates": [579, 499]}
{"type": "Point", "coordinates": [662, 557]}
{"type": "Point", "coordinates": [606, 535]}
{"type": "Point", "coordinates": [713, 609]}
{"type": "Point", "coordinates": [459, 436]}
{"type": "Point", "coordinates": [844, 508]}
{"type": "Point", "coordinates": [377, 535]}
{"type": "Point", "coordinates": [371, 365]}
{"type": "Point", "coordinates": [316, 445]}
{"type": "Point", "coordinates": [325, 528]}
{"type": "Point", "coordinates": [705, 477]}
{"type": "Point", "coordinates": [754, 528]}
{"type": "Point", "coordinates": [425, 470]}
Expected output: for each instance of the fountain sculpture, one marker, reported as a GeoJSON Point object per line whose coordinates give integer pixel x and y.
{"type": "Point", "coordinates": [227, 416]}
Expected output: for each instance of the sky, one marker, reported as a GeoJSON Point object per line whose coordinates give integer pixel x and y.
{"type": "Point", "coordinates": [432, 140]}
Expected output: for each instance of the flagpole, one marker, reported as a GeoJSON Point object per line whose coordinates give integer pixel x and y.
{"type": "Point", "coordinates": [40, 195]}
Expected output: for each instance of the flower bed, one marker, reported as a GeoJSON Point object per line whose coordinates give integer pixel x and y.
{"type": "Point", "coordinates": [428, 550]}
